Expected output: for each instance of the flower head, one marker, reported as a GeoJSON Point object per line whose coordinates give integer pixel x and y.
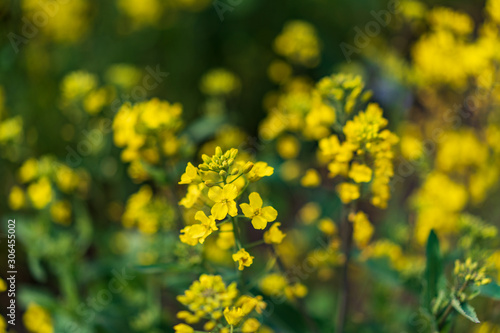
{"type": "Point", "coordinates": [274, 235]}
{"type": "Point", "coordinates": [243, 258]}
{"type": "Point", "coordinates": [198, 232]}
{"type": "Point", "coordinates": [233, 316]}
{"type": "Point", "coordinates": [224, 201]}
{"type": "Point", "coordinates": [259, 215]}
{"type": "Point", "coordinates": [260, 170]}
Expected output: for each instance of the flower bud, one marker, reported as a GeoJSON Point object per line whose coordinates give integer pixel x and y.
{"type": "Point", "coordinates": [248, 166]}
{"type": "Point", "coordinates": [218, 151]}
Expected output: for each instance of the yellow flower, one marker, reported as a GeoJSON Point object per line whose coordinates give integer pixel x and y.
{"type": "Point", "coordinates": [310, 212]}
{"type": "Point", "coordinates": [243, 258]}
{"type": "Point", "coordinates": [78, 84]}
{"type": "Point", "coordinates": [248, 304]}
{"type": "Point", "coordinates": [206, 298]}
{"type": "Point", "coordinates": [61, 212]}
{"type": "Point", "coordinates": [3, 285]}
{"type": "Point", "coordinates": [40, 193]}
{"type": "Point", "coordinates": [259, 215]}
{"type": "Point", "coordinates": [224, 201]}
{"type": "Point", "coordinates": [251, 325]}
{"type": "Point", "coordinates": [233, 316]}
{"type": "Point", "coordinates": [273, 284]}
{"type": "Point", "coordinates": [183, 328]}
{"type": "Point", "coordinates": [299, 43]}
{"type": "Point", "coordinates": [311, 179]}
{"type": "Point", "coordinates": [360, 173]}
{"type": "Point", "coordinates": [348, 192]}
{"type": "Point", "coordinates": [274, 235]}
{"type": "Point", "coordinates": [198, 232]}
{"type": "Point", "coordinates": [225, 241]}
{"type": "Point", "coordinates": [329, 147]}
{"type": "Point", "coordinates": [327, 226]}
{"type": "Point", "coordinates": [17, 198]}
{"type": "Point", "coordinates": [28, 170]}
{"type": "Point", "coordinates": [259, 170]}
{"type": "Point", "coordinates": [219, 82]}
{"type": "Point", "coordinates": [363, 230]}
{"type": "Point", "coordinates": [37, 320]}
{"type": "Point", "coordinates": [190, 174]}
{"type": "Point", "coordinates": [288, 147]}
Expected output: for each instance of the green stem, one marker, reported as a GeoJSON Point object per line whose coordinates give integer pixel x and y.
{"type": "Point", "coordinates": [232, 181]}
{"type": "Point", "coordinates": [256, 243]}
{"type": "Point", "coordinates": [236, 232]}
{"type": "Point", "coordinates": [347, 240]}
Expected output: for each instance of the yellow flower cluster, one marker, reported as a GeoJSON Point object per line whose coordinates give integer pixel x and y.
{"type": "Point", "coordinates": [277, 285]}
{"type": "Point", "coordinates": [218, 183]}
{"type": "Point", "coordinates": [148, 211]}
{"type": "Point", "coordinates": [219, 82]}
{"type": "Point", "coordinates": [82, 87]}
{"type": "Point", "coordinates": [299, 43]}
{"type": "Point", "coordinates": [365, 156]}
{"type": "Point", "coordinates": [37, 320]}
{"type": "Point", "coordinates": [68, 23]}
{"type": "Point", "coordinates": [464, 172]}
{"type": "Point", "coordinates": [42, 177]}
{"type": "Point", "coordinates": [210, 299]}
{"type": "Point", "coordinates": [470, 272]}
{"type": "Point", "coordinates": [385, 248]}
{"type": "Point", "coordinates": [150, 12]}
{"type": "Point", "coordinates": [450, 53]}
{"type": "Point", "coordinates": [147, 130]}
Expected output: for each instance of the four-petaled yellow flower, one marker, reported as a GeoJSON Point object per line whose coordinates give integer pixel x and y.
{"type": "Point", "coordinates": [224, 201]}
{"type": "Point", "coordinates": [243, 258]}
{"type": "Point", "coordinates": [197, 233]}
{"type": "Point", "coordinates": [274, 235]}
{"type": "Point", "coordinates": [259, 215]}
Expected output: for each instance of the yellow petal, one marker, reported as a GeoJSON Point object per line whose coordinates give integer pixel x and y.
{"type": "Point", "coordinates": [230, 191]}
{"type": "Point", "coordinates": [259, 222]}
{"type": "Point", "coordinates": [247, 210]}
{"type": "Point", "coordinates": [269, 213]}
{"type": "Point", "coordinates": [255, 200]}
{"type": "Point", "coordinates": [215, 194]}
{"type": "Point", "coordinates": [219, 210]}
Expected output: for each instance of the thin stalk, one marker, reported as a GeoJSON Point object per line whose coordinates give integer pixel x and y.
{"type": "Point", "coordinates": [347, 240]}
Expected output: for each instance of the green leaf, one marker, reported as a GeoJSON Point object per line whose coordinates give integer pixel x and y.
{"type": "Point", "coordinates": [491, 290]}
{"type": "Point", "coordinates": [36, 268]}
{"type": "Point", "coordinates": [465, 310]}
{"type": "Point", "coordinates": [433, 269]}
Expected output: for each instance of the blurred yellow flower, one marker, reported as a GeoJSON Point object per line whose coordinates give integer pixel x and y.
{"type": "Point", "coordinates": [60, 211]}
{"type": "Point", "coordinates": [17, 198]}
{"type": "Point", "coordinates": [40, 193]}
{"type": "Point", "coordinates": [274, 235]}
{"type": "Point", "coordinates": [311, 178]}
{"type": "Point", "coordinates": [348, 192]}
{"type": "Point", "coordinates": [219, 82]}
